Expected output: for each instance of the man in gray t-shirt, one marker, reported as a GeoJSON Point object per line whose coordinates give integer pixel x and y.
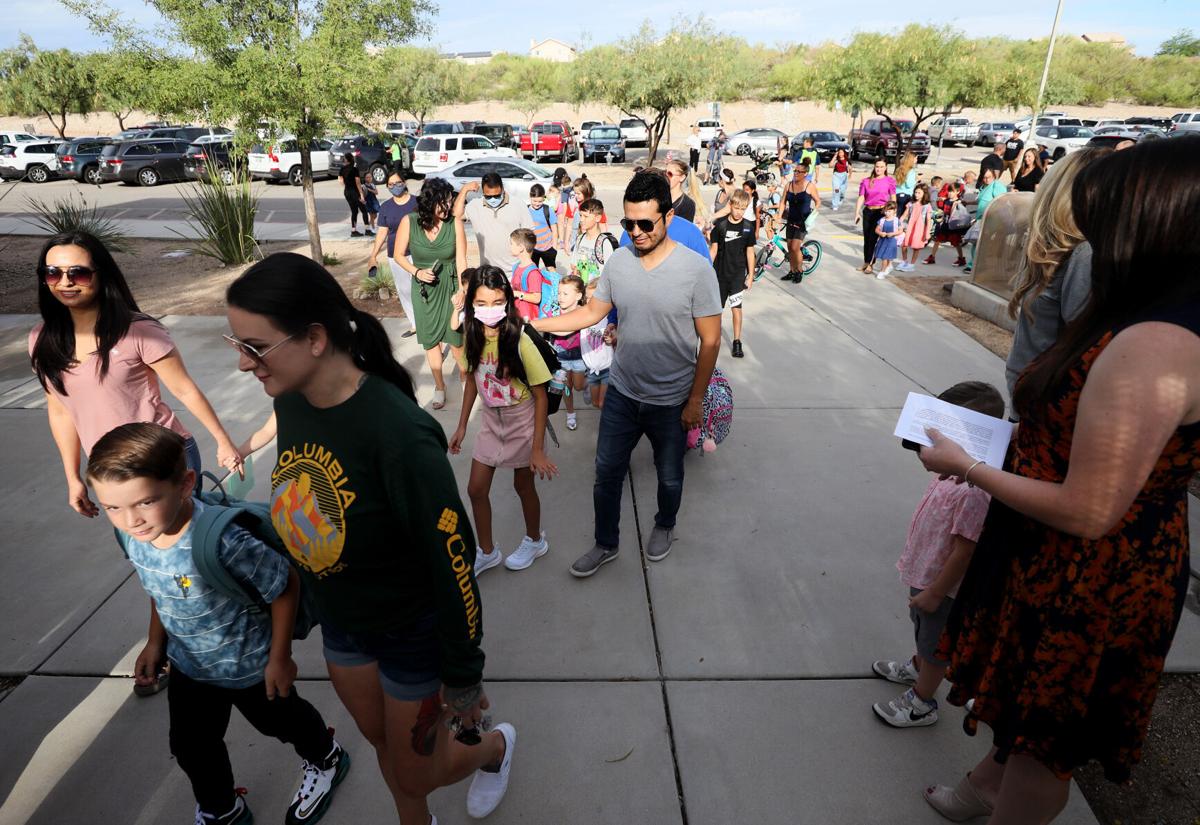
{"type": "Point", "coordinates": [493, 218]}
{"type": "Point", "coordinates": [668, 303]}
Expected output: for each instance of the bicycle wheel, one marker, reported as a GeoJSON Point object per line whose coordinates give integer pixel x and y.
{"type": "Point", "coordinates": [762, 259]}
{"type": "Point", "coordinates": [811, 250]}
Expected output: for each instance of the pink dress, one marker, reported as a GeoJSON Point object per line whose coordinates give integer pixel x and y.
{"type": "Point", "coordinates": [916, 230]}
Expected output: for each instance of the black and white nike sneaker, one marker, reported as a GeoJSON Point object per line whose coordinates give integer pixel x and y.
{"type": "Point", "coordinates": [239, 814]}
{"type": "Point", "coordinates": [316, 787]}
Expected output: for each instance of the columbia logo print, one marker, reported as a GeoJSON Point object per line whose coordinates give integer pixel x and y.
{"type": "Point", "coordinates": [448, 521]}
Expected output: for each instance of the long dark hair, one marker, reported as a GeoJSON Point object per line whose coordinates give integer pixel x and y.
{"type": "Point", "coordinates": [561, 176]}
{"type": "Point", "coordinates": [508, 360]}
{"type": "Point", "coordinates": [1137, 208]}
{"type": "Point", "coordinates": [436, 194]}
{"type": "Point", "coordinates": [296, 292]}
{"type": "Point", "coordinates": [841, 154]}
{"type": "Point", "coordinates": [54, 351]}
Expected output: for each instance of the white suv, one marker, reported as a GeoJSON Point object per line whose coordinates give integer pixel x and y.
{"type": "Point", "coordinates": [1061, 140]}
{"type": "Point", "coordinates": [34, 161]}
{"type": "Point", "coordinates": [282, 161]}
{"type": "Point", "coordinates": [708, 129]}
{"type": "Point", "coordinates": [634, 130]}
{"type": "Point", "coordinates": [1185, 122]}
{"type": "Point", "coordinates": [433, 153]}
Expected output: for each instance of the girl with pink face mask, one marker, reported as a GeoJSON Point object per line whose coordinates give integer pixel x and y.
{"type": "Point", "coordinates": [505, 369]}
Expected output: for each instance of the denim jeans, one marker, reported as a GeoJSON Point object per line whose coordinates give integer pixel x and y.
{"type": "Point", "coordinates": [623, 422]}
{"type": "Point", "coordinates": [839, 188]}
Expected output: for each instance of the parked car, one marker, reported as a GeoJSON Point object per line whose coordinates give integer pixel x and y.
{"type": "Point", "coordinates": [519, 132]}
{"type": "Point", "coordinates": [16, 137]}
{"type": "Point", "coordinates": [1185, 122]}
{"type": "Point", "coordinates": [500, 134]}
{"type": "Point", "coordinates": [555, 139]}
{"type": "Point", "coordinates": [437, 152]}
{"type": "Point", "coordinates": [401, 127]}
{"type": "Point", "coordinates": [709, 126]}
{"type": "Point", "coordinates": [215, 152]}
{"type": "Point", "coordinates": [282, 161]}
{"type": "Point", "coordinates": [187, 133]}
{"type": "Point", "coordinates": [1110, 137]}
{"type": "Point", "coordinates": [1061, 140]}
{"type": "Point", "coordinates": [826, 143]}
{"type": "Point", "coordinates": [995, 130]}
{"type": "Point", "coordinates": [876, 139]}
{"type": "Point", "coordinates": [1057, 120]}
{"type": "Point", "coordinates": [145, 162]}
{"type": "Point", "coordinates": [34, 161]}
{"type": "Point", "coordinates": [635, 130]}
{"type": "Point", "coordinates": [952, 130]}
{"type": "Point", "coordinates": [372, 153]}
{"type": "Point", "coordinates": [754, 140]}
{"type": "Point", "coordinates": [1108, 130]}
{"type": "Point", "coordinates": [600, 141]}
{"type": "Point", "coordinates": [131, 134]}
{"type": "Point", "coordinates": [79, 158]}
{"type": "Point", "coordinates": [442, 127]}
{"type": "Point", "coordinates": [589, 125]}
{"type": "Point", "coordinates": [517, 174]}
{"type": "Point", "coordinates": [1156, 122]}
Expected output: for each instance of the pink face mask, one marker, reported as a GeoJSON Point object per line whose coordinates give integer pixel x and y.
{"type": "Point", "coordinates": [491, 316]}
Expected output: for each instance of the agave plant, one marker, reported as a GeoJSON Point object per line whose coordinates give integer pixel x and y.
{"type": "Point", "coordinates": [77, 215]}
{"type": "Point", "coordinates": [223, 216]}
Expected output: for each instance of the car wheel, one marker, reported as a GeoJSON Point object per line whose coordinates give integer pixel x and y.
{"type": "Point", "coordinates": [226, 175]}
{"type": "Point", "coordinates": [295, 176]}
{"type": "Point", "coordinates": [38, 173]}
{"type": "Point", "coordinates": [379, 173]}
{"type": "Point", "coordinates": [148, 177]}
{"type": "Point", "coordinates": [91, 174]}
{"type": "Point", "coordinates": [743, 149]}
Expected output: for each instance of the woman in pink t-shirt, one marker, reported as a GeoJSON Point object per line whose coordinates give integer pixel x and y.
{"type": "Point", "coordinates": [86, 306]}
{"type": "Point", "coordinates": [873, 192]}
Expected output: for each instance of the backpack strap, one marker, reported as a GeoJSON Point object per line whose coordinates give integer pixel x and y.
{"type": "Point", "coordinates": [605, 236]}
{"type": "Point", "coordinates": [207, 529]}
{"type": "Point", "coordinates": [546, 212]}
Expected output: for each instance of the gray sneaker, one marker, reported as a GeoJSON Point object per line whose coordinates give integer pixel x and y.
{"type": "Point", "coordinates": [592, 560]}
{"type": "Point", "coordinates": [660, 544]}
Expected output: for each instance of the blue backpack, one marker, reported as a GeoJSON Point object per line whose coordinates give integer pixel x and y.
{"type": "Point", "coordinates": [221, 510]}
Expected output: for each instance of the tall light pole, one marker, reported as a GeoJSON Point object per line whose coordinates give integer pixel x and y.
{"type": "Point", "coordinates": [1046, 69]}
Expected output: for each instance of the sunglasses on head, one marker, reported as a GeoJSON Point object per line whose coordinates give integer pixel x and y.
{"type": "Point", "coordinates": [643, 225]}
{"type": "Point", "coordinates": [252, 352]}
{"type": "Point", "coordinates": [80, 275]}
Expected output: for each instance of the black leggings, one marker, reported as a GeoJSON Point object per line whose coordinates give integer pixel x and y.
{"type": "Point", "coordinates": [545, 257]}
{"type": "Point", "coordinates": [356, 206]}
{"type": "Point", "coordinates": [870, 218]}
{"type": "Point", "coordinates": [199, 715]}
{"type": "Point", "coordinates": [694, 159]}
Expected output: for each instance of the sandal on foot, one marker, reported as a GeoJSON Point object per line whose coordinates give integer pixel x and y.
{"type": "Point", "coordinates": [960, 803]}
{"type": "Point", "coordinates": [439, 399]}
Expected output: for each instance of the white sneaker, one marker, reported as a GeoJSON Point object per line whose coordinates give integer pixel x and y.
{"type": "Point", "coordinates": [902, 673]}
{"type": "Point", "coordinates": [527, 552]}
{"type": "Point", "coordinates": [487, 789]}
{"type": "Point", "coordinates": [883, 273]}
{"type": "Point", "coordinates": [572, 421]}
{"type": "Point", "coordinates": [486, 561]}
{"type": "Point", "coordinates": [317, 784]}
{"type": "Point", "coordinates": [908, 710]}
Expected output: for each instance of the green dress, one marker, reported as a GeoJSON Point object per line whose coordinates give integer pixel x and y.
{"type": "Point", "coordinates": [434, 309]}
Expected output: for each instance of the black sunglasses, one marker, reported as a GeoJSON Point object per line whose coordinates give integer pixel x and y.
{"type": "Point", "coordinates": [644, 225]}
{"type": "Point", "coordinates": [81, 275]}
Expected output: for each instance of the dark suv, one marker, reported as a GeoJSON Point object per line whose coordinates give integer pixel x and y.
{"type": "Point", "coordinates": [79, 158]}
{"type": "Point", "coordinates": [372, 153]}
{"type": "Point", "coordinates": [144, 162]}
{"type": "Point", "coordinates": [186, 133]}
{"type": "Point", "coordinates": [217, 152]}
{"type": "Point", "coordinates": [500, 134]}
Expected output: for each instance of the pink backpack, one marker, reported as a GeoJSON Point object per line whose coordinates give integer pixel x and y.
{"type": "Point", "coordinates": [717, 417]}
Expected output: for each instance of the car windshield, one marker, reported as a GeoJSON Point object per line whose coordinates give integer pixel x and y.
{"type": "Point", "coordinates": [628, 122]}
{"type": "Point", "coordinates": [109, 151]}
{"type": "Point", "coordinates": [438, 128]}
{"type": "Point", "coordinates": [823, 136]}
{"type": "Point", "coordinates": [548, 129]}
{"type": "Point", "coordinates": [1004, 127]}
{"type": "Point", "coordinates": [605, 134]}
{"type": "Point", "coordinates": [1075, 132]}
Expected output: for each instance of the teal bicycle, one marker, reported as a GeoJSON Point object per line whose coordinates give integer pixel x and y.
{"type": "Point", "coordinates": [774, 254]}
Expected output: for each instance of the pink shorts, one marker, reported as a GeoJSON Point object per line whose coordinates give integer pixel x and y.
{"type": "Point", "coordinates": [505, 437]}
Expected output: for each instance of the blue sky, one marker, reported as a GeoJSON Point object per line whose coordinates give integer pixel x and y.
{"type": "Point", "coordinates": [471, 25]}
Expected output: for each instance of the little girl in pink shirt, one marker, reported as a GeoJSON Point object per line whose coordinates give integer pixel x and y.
{"type": "Point", "coordinates": [941, 539]}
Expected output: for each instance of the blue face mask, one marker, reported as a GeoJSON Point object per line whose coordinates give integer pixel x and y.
{"type": "Point", "coordinates": [494, 201]}
{"type": "Point", "coordinates": [398, 189]}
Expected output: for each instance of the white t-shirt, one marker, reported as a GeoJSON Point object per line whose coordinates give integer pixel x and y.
{"type": "Point", "coordinates": [597, 355]}
{"type": "Point", "coordinates": [693, 142]}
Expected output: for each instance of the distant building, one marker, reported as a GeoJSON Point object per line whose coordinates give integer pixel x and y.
{"type": "Point", "coordinates": [1107, 38]}
{"type": "Point", "coordinates": [470, 58]}
{"type": "Point", "coordinates": [553, 50]}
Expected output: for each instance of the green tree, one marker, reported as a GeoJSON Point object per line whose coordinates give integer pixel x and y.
{"type": "Point", "coordinates": [651, 76]}
{"type": "Point", "coordinates": [123, 82]}
{"type": "Point", "coordinates": [924, 70]}
{"type": "Point", "coordinates": [53, 84]}
{"type": "Point", "coordinates": [528, 84]}
{"type": "Point", "coordinates": [416, 81]}
{"type": "Point", "coordinates": [296, 64]}
{"type": "Point", "coordinates": [1182, 44]}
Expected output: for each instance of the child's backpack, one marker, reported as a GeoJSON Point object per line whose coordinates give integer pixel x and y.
{"type": "Point", "coordinates": [554, 394]}
{"type": "Point", "coordinates": [221, 510]}
{"type": "Point", "coordinates": [717, 418]}
{"type": "Point", "coordinates": [548, 307]}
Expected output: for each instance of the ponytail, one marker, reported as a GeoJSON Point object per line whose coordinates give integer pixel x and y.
{"type": "Point", "coordinates": [295, 292]}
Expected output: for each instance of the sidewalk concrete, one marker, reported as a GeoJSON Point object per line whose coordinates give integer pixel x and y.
{"type": "Point", "coordinates": [730, 682]}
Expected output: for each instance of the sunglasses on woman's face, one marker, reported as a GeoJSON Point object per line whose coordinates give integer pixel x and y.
{"type": "Point", "coordinates": [252, 352]}
{"type": "Point", "coordinates": [643, 225]}
{"type": "Point", "coordinates": [78, 275]}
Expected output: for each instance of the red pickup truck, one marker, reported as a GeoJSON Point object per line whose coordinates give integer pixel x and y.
{"type": "Point", "coordinates": [876, 139]}
{"type": "Point", "coordinates": [554, 139]}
